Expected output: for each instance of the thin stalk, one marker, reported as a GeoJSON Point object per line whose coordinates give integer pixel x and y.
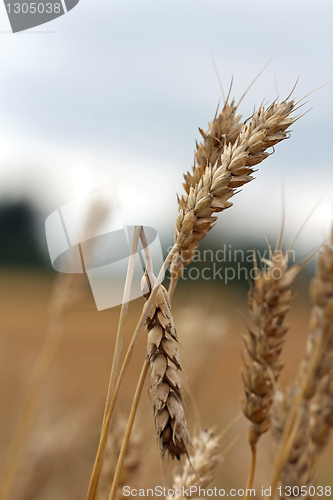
{"type": "Point", "coordinates": [250, 479]}
{"type": "Point", "coordinates": [149, 262]}
{"type": "Point", "coordinates": [121, 324]}
{"type": "Point", "coordinates": [123, 316]}
{"type": "Point", "coordinates": [91, 495]}
{"type": "Point", "coordinates": [129, 426]}
{"type": "Point", "coordinates": [172, 287]}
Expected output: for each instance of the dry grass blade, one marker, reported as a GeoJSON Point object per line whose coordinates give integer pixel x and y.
{"type": "Point", "coordinates": [199, 469]}
{"type": "Point", "coordinates": [229, 170]}
{"type": "Point", "coordinates": [164, 386]}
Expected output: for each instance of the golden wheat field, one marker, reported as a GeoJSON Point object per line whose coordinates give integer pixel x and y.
{"type": "Point", "coordinates": [60, 449]}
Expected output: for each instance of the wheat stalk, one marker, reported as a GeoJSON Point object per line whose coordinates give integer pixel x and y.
{"type": "Point", "coordinates": [129, 426]}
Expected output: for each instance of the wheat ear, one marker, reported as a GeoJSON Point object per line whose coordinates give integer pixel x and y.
{"type": "Point", "coordinates": [269, 301]}
{"type": "Point", "coordinates": [321, 416]}
{"type": "Point", "coordinates": [164, 385]}
{"type": "Point", "coordinates": [223, 130]}
{"type": "Point", "coordinates": [199, 469]}
{"type": "Point", "coordinates": [297, 470]}
{"type": "Point", "coordinates": [318, 360]}
{"type": "Point", "coordinates": [132, 460]}
{"type": "Point", "coordinates": [232, 169]}
{"type": "Point", "coordinates": [320, 335]}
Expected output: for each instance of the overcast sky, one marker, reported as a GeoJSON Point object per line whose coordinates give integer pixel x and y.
{"type": "Point", "coordinates": [112, 94]}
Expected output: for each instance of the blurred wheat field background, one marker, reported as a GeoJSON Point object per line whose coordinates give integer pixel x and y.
{"type": "Point", "coordinates": [60, 451]}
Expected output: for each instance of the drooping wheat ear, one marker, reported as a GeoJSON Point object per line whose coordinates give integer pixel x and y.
{"type": "Point", "coordinates": [132, 461]}
{"type": "Point", "coordinates": [164, 385]}
{"type": "Point", "coordinates": [223, 130]}
{"type": "Point", "coordinates": [297, 471]}
{"type": "Point", "coordinates": [269, 302]}
{"type": "Point", "coordinates": [318, 359]}
{"type": "Point", "coordinates": [199, 469]}
{"type": "Point", "coordinates": [219, 181]}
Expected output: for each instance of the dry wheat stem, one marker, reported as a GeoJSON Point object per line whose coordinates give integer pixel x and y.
{"type": "Point", "coordinates": [149, 262]}
{"type": "Point", "coordinates": [149, 270]}
{"type": "Point", "coordinates": [218, 177]}
{"type": "Point", "coordinates": [252, 471]}
{"type": "Point", "coordinates": [128, 430]}
{"type": "Point", "coordinates": [123, 315]}
{"type": "Point", "coordinates": [92, 489]}
{"type": "Point", "coordinates": [122, 322]}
